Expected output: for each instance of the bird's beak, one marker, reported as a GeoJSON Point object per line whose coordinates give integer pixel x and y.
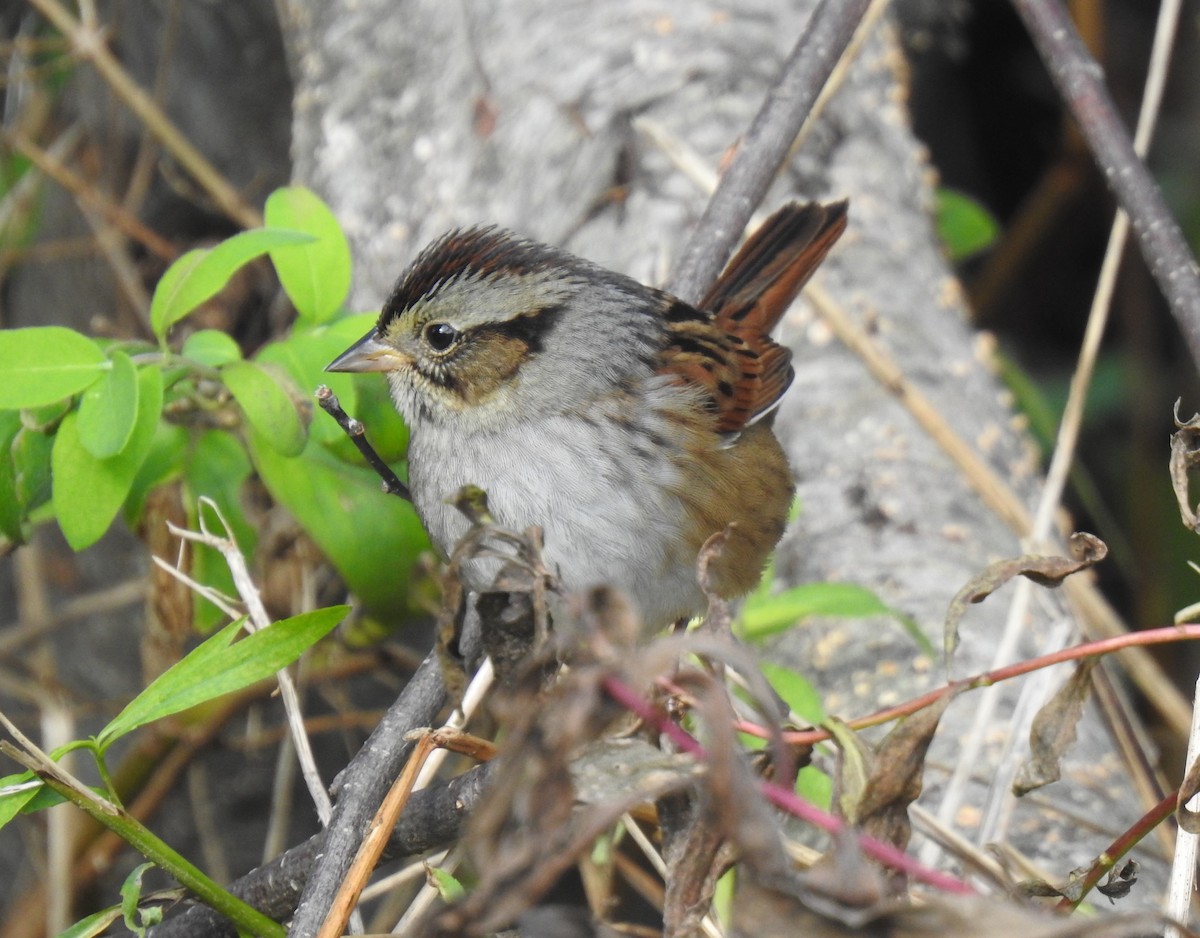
{"type": "Point", "coordinates": [368, 354]}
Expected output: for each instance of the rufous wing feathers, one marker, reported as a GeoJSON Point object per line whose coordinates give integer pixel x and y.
{"type": "Point", "coordinates": [753, 293]}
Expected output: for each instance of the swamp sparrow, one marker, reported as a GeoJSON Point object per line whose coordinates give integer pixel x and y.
{"type": "Point", "coordinates": [629, 425]}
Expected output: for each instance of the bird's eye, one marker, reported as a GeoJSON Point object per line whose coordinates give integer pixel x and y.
{"type": "Point", "coordinates": [440, 336]}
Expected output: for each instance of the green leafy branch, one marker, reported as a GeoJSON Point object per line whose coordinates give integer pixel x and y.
{"type": "Point", "coordinates": [217, 667]}
{"type": "Point", "coordinates": [89, 427]}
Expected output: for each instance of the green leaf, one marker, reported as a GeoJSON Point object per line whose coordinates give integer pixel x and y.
{"type": "Point", "coordinates": [797, 692]}
{"type": "Point", "coordinates": [762, 616]}
{"type": "Point", "coordinates": [211, 347]}
{"type": "Point", "coordinates": [305, 354]}
{"type": "Point", "coordinates": [95, 924]}
{"type": "Point", "coordinates": [815, 786]}
{"type": "Point", "coordinates": [163, 463]}
{"type": "Point", "coordinates": [202, 273]}
{"type": "Point", "coordinates": [31, 453]}
{"type": "Point", "coordinates": [10, 503]}
{"type": "Point", "coordinates": [722, 900]}
{"type": "Point", "coordinates": [88, 491]}
{"type": "Point", "coordinates": [964, 226]}
{"type": "Point", "coordinates": [270, 402]}
{"type": "Point", "coordinates": [38, 796]}
{"type": "Point", "coordinates": [131, 895]}
{"type": "Point", "coordinates": [215, 668]}
{"type": "Point", "coordinates": [44, 364]}
{"type": "Point", "coordinates": [108, 409]}
{"type": "Point", "coordinates": [172, 293]}
{"type": "Point", "coordinates": [315, 276]}
{"type": "Point", "coordinates": [372, 539]}
{"type": "Point", "coordinates": [217, 469]}
{"type": "Point", "coordinates": [46, 417]}
{"type": "Point", "coordinates": [13, 803]}
{"type": "Point", "coordinates": [448, 887]}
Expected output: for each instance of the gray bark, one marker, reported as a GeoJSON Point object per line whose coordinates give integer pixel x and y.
{"type": "Point", "coordinates": [415, 117]}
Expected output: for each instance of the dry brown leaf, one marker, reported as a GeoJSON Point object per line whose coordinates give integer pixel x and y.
{"type": "Point", "coordinates": [1185, 455]}
{"type": "Point", "coordinates": [853, 769]}
{"type": "Point", "coordinates": [1050, 571]}
{"type": "Point", "coordinates": [897, 775]}
{"type": "Point", "coordinates": [1053, 730]}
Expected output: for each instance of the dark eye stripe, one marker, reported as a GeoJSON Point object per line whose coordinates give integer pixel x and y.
{"type": "Point", "coordinates": [531, 328]}
{"type": "Point", "coordinates": [485, 356]}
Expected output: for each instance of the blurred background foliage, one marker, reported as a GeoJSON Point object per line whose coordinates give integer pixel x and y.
{"type": "Point", "coordinates": [997, 132]}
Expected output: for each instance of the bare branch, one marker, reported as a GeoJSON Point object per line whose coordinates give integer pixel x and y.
{"type": "Point", "coordinates": [766, 144]}
{"type": "Point", "coordinates": [358, 434]}
{"type": "Point", "coordinates": [1079, 79]}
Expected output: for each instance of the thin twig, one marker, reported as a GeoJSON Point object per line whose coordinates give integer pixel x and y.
{"type": "Point", "coordinates": [784, 798]}
{"type": "Point", "coordinates": [373, 769]}
{"type": "Point", "coordinates": [89, 195]}
{"type": "Point", "coordinates": [16, 203]}
{"type": "Point", "coordinates": [115, 250]}
{"type": "Point", "coordinates": [142, 173]}
{"type": "Point", "coordinates": [1096, 615]}
{"type": "Point", "coordinates": [473, 697]}
{"type": "Point", "coordinates": [1112, 854]}
{"type": "Point", "coordinates": [1001, 799]}
{"type": "Point", "coordinates": [143, 840]}
{"type": "Point", "coordinates": [87, 41]}
{"type": "Point", "coordinates": [1101, 646]}
{"type": "Point", "coordinates": [696, 168]}
{"type": "Point", "coordinates": [227, 547]}
{"type": "Point", "coordinates": [434, 818]}
{"type": "Point", "coordinates": [374, 840]}
{"type": "Point", "coordinates": [358, 434]}
{"type": "Point", "coordinates": [767, 142]}
{"type": "Point", "coordinates": [1079, 79]}
{"type": "Point", "coordinates": [421, 904]}
{"type": "Point", "coordinates": [387, 885]}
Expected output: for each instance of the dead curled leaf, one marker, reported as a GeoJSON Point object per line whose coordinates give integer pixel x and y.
{"type": "Point", "coordinates": [897, 775]}
{"type": "Point", "coordinates": [1185, 455]}
{"type": "Point", "coordinates": [1121, 879]}
{"type": "Point", "coordinates": [1053, 730]}
{"type": "Point", "coordinates": [1049, 571]}
{"type": "Point", "coordinates": [1116, 885]}
{"type": "Point", "coordinates": [874, 786]}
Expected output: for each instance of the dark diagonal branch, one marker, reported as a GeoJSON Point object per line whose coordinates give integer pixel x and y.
{"type": "Point", "coordinates": [1080, 80]}
{"type": "Point", "coordinates": [364, 783]}
{"type": "Point", "coordinates": [765, 145]}
{"type": "Point", "coordinates": [358, 435]}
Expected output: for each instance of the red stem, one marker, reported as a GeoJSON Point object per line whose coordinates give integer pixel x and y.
{"type": "Point", "coordinates": [1103, 646]}
{"type": "Point", "coordinates": [785, 799]}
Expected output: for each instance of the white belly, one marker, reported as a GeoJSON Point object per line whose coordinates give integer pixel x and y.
{"type": "Point", "coordinates": [607, 512]}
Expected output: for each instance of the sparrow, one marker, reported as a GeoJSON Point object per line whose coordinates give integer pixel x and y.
{"type": "Point", "coordinates": [627, 424]}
